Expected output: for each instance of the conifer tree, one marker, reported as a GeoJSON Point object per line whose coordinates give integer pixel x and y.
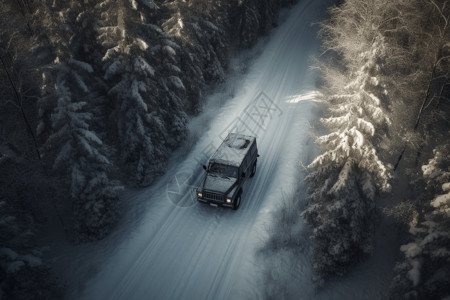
{"type": "Point", "coordinates": [79, 154]}
{"type": "Point", "coordinates": [425, 271]}
{"type": "Point", "coordinates": [347, 176]}
{"type": "Point", "coordinates": [134, 90]}
{"type": "Point", "coordinates": [349, 173]}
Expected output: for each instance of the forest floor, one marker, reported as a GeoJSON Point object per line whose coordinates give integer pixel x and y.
{"type": "Point", "coordinates": [167, 246]}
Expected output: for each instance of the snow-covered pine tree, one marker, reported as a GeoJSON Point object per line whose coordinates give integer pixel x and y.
{"type": "Point", "coordinates": [247, 22]}
{"type": "Point", "coordinates": [172, 97]}
{"type": "Point", "coordinates": [425, 271]}
{"type": "Point", "coordinates": [252, 18]}
{"type": "Point", "coordinates": [347, 176]}
{"type": "Point", "coordinates": [79, 154]}
{"type": "Point", "coordinates": [184, 62]}
{"type": "Point", "coordinates": [139, 112]}
{"type": "Point", "coordinates": [23, 273]}
{"type": "Point", "coordinates": [24, 188]}
{"type": "Point", "coordinates": [66, 31]}
{"type": "Point", "coordinates": [199, 27]}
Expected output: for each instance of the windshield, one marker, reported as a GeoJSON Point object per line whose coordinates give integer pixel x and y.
{"type": "Point", "coordinates": [223, 170]}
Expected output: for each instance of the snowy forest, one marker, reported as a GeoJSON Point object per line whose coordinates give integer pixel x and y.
{"type": "Point", "coordinates": [385, 148]}
{"type": "Point", "coordinates": [95, 96]}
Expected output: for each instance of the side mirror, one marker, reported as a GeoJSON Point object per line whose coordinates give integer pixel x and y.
{"type": "Point", "coordinates": [204, 167]}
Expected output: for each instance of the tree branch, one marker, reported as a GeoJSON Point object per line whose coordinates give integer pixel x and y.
{"type": "Point", "coordinates": [19, 102]}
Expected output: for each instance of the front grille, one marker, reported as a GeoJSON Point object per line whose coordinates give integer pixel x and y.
{"type": "Point", "coordinates": [214, 197]}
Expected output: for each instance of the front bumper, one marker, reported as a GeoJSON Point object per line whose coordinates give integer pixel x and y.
{"type": "Point", "coordinates": [214, 202]}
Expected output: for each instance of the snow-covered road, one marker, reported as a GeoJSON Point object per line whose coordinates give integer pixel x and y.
{"type": "Point", "coordinates": [178, 249]}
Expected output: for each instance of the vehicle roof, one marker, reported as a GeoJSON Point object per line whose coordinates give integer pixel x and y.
{"type": "Point", "coordinates": [233, 149]}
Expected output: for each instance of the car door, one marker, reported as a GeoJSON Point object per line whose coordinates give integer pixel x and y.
{"type": "Point", "coordinates": [243, 170]}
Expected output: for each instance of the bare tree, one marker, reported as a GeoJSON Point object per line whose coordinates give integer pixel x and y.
{"type": "Point", "coordinates": [439, 48]}
{"type": "Point", "coordinates": [17, 68]}
{"type": "Point", "coordinates": [419, 69]}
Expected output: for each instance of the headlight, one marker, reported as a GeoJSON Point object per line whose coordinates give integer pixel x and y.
{"type": "Point", "coordinates": [228, 200]}
{"type": "Point", "coordinates": [199, 194]}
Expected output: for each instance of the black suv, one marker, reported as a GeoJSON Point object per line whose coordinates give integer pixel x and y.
{"type": "Point", "coordinates": [227, 171]}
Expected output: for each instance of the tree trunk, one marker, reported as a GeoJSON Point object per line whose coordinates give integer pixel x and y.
{"type": "Point", "coordinates": [19, 104]}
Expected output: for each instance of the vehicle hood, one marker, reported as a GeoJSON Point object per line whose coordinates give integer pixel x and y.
{"type": "Point", "coordinates": [219, 184]}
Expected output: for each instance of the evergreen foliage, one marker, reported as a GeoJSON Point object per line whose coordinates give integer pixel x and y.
{"type": "Point", "coordinates": [79, 155]}
{"type": "Point", "coordinates": [24, 273]}
{"type": "Point", "coordinates": [133, 89]}
{"type": "Point", "coordinates": [349, 173]}
{"type": "Point", "coordinates": [425, 271]}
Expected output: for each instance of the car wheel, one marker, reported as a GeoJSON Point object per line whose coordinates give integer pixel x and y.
{"type": "Point", "coordinates": [253, 170]}
{"type": "Point", "coordinates": [237, 203]}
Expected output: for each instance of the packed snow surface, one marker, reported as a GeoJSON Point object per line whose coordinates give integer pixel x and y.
{"type": "Point", "coordinates": [168, 246]}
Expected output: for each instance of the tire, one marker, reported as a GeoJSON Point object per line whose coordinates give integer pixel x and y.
{"type": "Point", "coordinates": [237, 203]}
{"type": "Point", "coordinates": [253, 170]}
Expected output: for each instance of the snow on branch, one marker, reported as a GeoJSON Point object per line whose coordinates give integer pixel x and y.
{"type": "Point", "coordinates": [343, 177]}
{"type": "Point", "coordinates": [81, 64]}
{"type": "Point", "coordinates": [143, 67]}
{"type": "Point", "coordinates": [365, 126]}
